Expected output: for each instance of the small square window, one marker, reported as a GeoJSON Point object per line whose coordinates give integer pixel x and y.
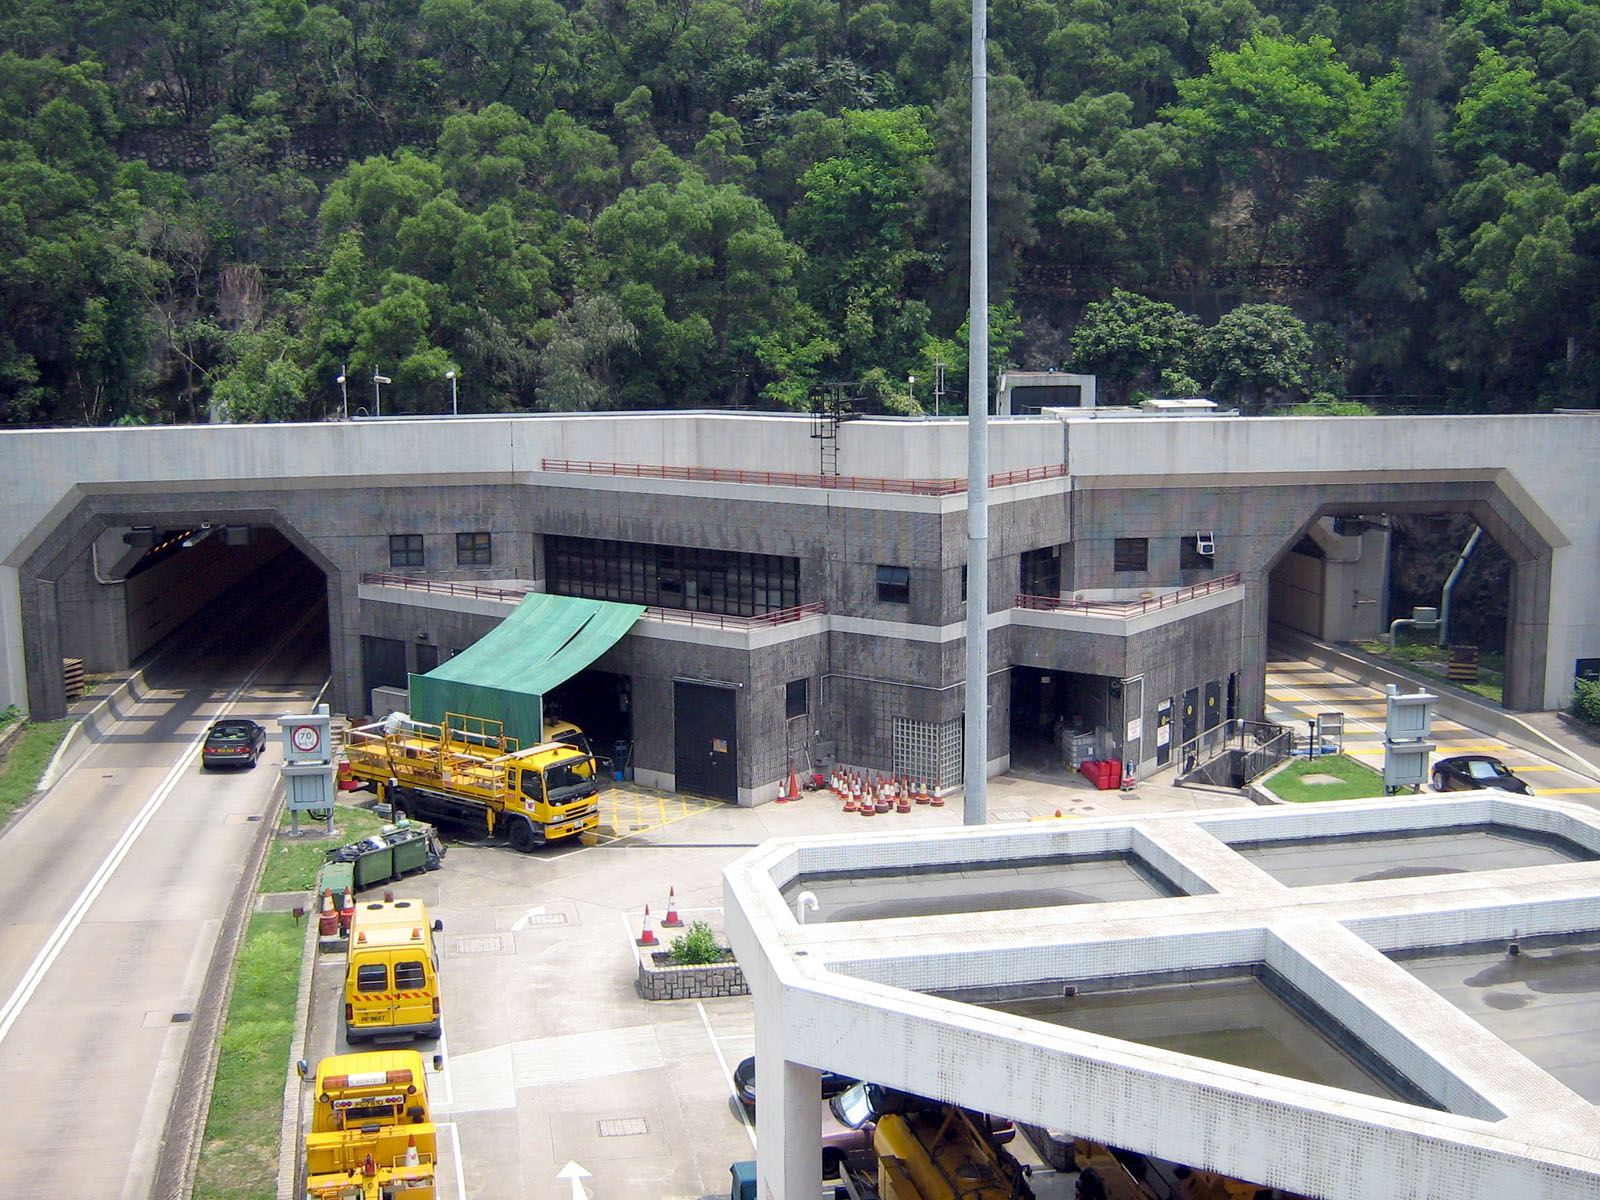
{"type": "Point", "coordinates": [894, 585]}
{"type": "Point", "coordinates": [794, 699]}
{"type": "Point", "coordinates": [1132, 554]}
{"type": "Point", "coordinates": [405, 549]}
{"type": "Point", "coordinates": [474, 550]}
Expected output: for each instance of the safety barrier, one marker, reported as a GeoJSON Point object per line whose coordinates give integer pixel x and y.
{"type": "Point", "coordinates": [852, 483]}
{"type": "Point", "coordinates": [1234, 752]}
{"type": "Point", "coordinates": [1128, 608]}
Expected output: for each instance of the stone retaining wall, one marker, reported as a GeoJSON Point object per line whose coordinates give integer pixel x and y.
{"type": "Point", "coordinates": [673, 982]}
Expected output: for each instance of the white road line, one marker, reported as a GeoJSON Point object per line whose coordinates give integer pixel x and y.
{"type": "Point", "coordinates": [455, 1157]}
{"type": "Point", "coordinates": [444, 1069]}
{"type": "Point", "coordinates": [727, 1075]}
{"type": "Point", "coordinates": [68, 925]}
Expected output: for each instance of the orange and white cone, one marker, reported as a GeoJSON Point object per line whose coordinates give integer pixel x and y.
{"type": "Point", "coordinates": [328, 918]}
{"type": "Point", "coordinates": [648, 936]}
{"type": "Point", "coordinates": [411, 1152]}
{"type": "Point", "coordinates": [347, 913]}
{"type": "Point", "coordinates": [934, 799]}
{"type": "Point", "coordinates": [672, 920]}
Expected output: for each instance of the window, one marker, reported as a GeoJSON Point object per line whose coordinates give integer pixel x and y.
{"type": "Point", "coordinates": [405, 549]}
{"type": "Point", "coordinates": [474, 550]}
{"type": "Point", "coordinates": [372, 977]}
{"type": "Point", "coordinates": [794, 699]}
{"type": "Point", "coordinates": [894, 585]}
{"type": "Point", "coordinates": [1132, 554]}
{"type": "Point", "coordinates": [714, 581]}
{"type": "Point", "coordinates": [1189, 556]}
{"type": "Point", "coordinates": [409, 976]}
{"type": "Point", "coordinates": [1041, 572]}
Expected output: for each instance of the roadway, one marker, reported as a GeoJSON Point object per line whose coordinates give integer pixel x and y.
{"type": "Point", "coordinates": [112, 888]}
{"type": "Point", "coordinates": [1299, 688]}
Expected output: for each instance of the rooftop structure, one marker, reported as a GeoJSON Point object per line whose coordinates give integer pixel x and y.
{"type": "Point", "coordinates": [1388, 998]}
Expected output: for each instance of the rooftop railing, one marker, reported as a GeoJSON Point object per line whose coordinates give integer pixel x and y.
{"type": "Point", "coordinates": [652, 612]}
{"type": "Point", "coordinates": [853, 483]}
{"type": "Point", "coordinates": [1128, 608]}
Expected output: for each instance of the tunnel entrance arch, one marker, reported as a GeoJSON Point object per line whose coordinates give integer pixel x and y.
{"type": "Point", "coordinates": [71, 607]}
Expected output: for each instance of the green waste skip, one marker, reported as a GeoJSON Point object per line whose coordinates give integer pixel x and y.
{"type": "Point", "coordinates": [394, 851]}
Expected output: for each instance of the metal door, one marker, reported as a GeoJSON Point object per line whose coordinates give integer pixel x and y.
{"type": "Point", "coordinates": [1213, 704]}
{"type": "Point", "coordinates": [383, 664]}
{"type": "Point", "coordinates": [1164, 732]}
{"type": "Point", "coordinates": [1191, 715]}
{"type": "Point", "coordinates": [705, 740]}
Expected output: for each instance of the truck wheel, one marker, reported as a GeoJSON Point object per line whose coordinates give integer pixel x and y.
{"type": "Point", "coordinates": [521, 835]}
{"type": "Point", "coordinates": [398, 806]}
{"type": "Point", "coordinates": [1090, 1187]}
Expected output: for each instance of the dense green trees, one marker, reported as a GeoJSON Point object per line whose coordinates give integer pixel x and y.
{"type": "Point", "coordinates": [218, 208]}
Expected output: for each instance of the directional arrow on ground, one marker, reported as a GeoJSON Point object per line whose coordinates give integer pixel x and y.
{"type": "Point", "coordinates": [522, 923]}
{"type": "Point", "coordinates": [576, 1174]}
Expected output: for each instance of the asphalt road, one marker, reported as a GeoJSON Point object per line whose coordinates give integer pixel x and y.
{"type": "Point", "coordinates": [112, 885]}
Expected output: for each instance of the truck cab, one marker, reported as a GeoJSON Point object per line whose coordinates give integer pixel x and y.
{"type": "Point", "coordinates": [372, 1135]}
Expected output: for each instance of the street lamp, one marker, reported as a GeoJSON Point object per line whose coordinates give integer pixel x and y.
{"type": "Point", "coordinates": [911, 389]}
{"type": "Point", "coordinates": [451, 376]}
{"type": "Point", "coordinates": [344, 396]}
{"type": "Point", "coordinates": [377, 393]}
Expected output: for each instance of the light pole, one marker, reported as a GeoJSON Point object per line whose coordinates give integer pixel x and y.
{"type": "Point", "coordinates": [451, 376]}
{"type": "Point", "coordinates": [344, 396]}
{"type": "Point", "coordinates": [911, 389]}
{"type": "Point", "coordinates": [377, 392]}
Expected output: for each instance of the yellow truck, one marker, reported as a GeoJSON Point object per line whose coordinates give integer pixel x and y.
{"type": "Point", "coordinates": [372, 1136]}
{"type": "Point", "coordinates": [468, 772]}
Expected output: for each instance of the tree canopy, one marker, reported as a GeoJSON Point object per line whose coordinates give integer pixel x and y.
{"type": "Point", "coordinates": [212, 211]}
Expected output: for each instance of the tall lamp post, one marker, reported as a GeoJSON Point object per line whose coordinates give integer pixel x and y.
{"type": "Point", "coordinates": [911, 390]}
{"type": "Point", "coordinates": [377, 392]}
{"type": "Point", "coordinates": [451, 376]}
{"type": "Point", "coordinates": [975, 777]}
{"type": "Point", "coordinates": [344, 396]}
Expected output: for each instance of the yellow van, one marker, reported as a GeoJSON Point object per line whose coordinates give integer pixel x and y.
{"type": "Point", "coordinates": [391, 981]}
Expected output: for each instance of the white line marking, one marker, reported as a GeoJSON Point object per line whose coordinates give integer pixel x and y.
{"type": "Point", "coordinates": [455, 1157]}
{"type": "Point", "coordinates": [68, 925]}
{"type": "Point", "coordinates": [522, 921]}
{"type": "Point", "coordinates": [727, 1075]}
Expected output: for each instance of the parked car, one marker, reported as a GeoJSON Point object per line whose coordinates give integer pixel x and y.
{"type": "Point", "coordinates": [744, 1084]}
{"type": "Point", "coordinates": [234, 742]}
{"type": "Point", "coordinates": [1467, 771]}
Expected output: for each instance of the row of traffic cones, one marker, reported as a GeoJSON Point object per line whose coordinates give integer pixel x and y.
{"type": "Point", "coordinates": [868, 794]}
{"type": "Point", "coordinates": [670, 921]}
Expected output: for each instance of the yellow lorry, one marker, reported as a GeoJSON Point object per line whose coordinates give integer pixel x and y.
{"type": "Point", "coordinates": [372, 1136]}
{"type": "Point", "coordinates": [468, 772]}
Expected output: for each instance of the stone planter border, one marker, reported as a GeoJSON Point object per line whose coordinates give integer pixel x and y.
{"type": "Point", "coordinates": [673, 982]}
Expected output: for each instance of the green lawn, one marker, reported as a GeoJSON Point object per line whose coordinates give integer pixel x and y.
{"type": "Point", "coordinates": [1355, 781]}
{"type": "Point", "coordinates": [239, 1154]}
{"type": "Point", "coordinates": [1421, 652]}
{"type": "Point", "coordinates": [293, 863]}
{"type": "Point", "coordinates": [24, 764]}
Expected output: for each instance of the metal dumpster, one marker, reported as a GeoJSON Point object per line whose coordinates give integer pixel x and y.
{"type": "Point", "coordinates": [336, 876]}
{"type": "Point", "coordinates": [389, 854]}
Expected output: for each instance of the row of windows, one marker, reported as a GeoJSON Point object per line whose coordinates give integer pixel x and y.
{"type": "Point", "coordinates": [715, 581]}
{"type": "Point", "coordinates": [472, 550]}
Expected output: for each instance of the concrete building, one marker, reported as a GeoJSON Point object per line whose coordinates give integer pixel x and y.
{"type": "Point", "coordinates": [804, 580]}
{"type": "Point", "coordinates": [1348, 1000]}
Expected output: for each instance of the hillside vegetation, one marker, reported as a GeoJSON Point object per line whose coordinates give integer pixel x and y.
{"type": "Point", "coordinates": [221, 206]}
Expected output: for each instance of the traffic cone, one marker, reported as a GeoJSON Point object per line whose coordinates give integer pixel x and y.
{"type": "Point", "coordinates": [648, 936]}
{"type": "Point", "coordinates": [783, 792]}
{"type": "Point", "coordinates": [934, 799]}
{"type": "Point", "coordinates": [347, 913]}
{"type": "Point", "coordinates": [902, 797]}
{"type": "Point", "coordinates": [794, 785]}
{"type": "Point", "coordinates": [411, 1152]}
{"type": "Point", "coordinates": [328, 919]}
{"type": "Point", "coordinates": [672, 920]}
{"type": "Point", "coordinates": [922, 791]}
{"type": "Point", "coordinates": [850, 804]}
{"type": "Point", "coordinates": [883, 801]}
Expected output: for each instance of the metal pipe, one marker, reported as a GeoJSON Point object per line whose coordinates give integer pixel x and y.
{"type": "Point", "coordinates": [1455, 573]}
{"type": "Point", "coordinates": [975, 774]}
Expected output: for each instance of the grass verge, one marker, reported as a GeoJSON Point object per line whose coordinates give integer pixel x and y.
{"type": "Point", "coordinates": [1355, 781]}
{"type": "Point", "coordinates": [239, 1154]}
{"type": "Point", "coordinates": [293, 863]}
{"type": "Point", "coordinates": [1422, 654]}
{"type": "Point", "coordinates": [25, 762]}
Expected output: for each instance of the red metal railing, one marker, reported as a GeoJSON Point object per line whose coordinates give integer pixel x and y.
{"type": "Point", "coordinates": [682, 616]}
{"type": "Point", "coordinates": [853, 483]}
{"type": "Point", "coordinates": [1128, 608]}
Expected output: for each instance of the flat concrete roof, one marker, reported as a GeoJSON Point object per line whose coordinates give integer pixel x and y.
{"type": "Point", "coordinates": [1405, 956]}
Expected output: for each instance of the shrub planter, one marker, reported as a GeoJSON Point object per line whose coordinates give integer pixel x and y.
{"type": "Point", "coordinates": [662, 979]}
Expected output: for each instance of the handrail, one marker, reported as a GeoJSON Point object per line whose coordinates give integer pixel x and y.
{"type": "Point", "coordinates": [653, 612]}
{"type": "Point", "coordinates": [854, 483]}
{"type": "Point", "coordinates": [1127, 608]}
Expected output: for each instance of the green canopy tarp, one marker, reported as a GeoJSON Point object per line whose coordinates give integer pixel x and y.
{"type": "Point", "coordinates": [503, 677]}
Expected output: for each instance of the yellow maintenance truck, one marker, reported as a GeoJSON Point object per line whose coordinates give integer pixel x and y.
{"type": "Point", "coordinates": [372, 1136]}
{"type": "Point", "coordinates": [468, 772]}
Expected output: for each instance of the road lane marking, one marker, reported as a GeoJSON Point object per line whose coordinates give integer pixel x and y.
{"type": "Point", "coordinates": [727, 1075]}
{"type": "Point", "coordinates": [79, 909]}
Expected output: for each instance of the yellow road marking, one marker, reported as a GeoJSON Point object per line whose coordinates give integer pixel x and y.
{"type": "Point", "coordinates": [1566, 791]}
